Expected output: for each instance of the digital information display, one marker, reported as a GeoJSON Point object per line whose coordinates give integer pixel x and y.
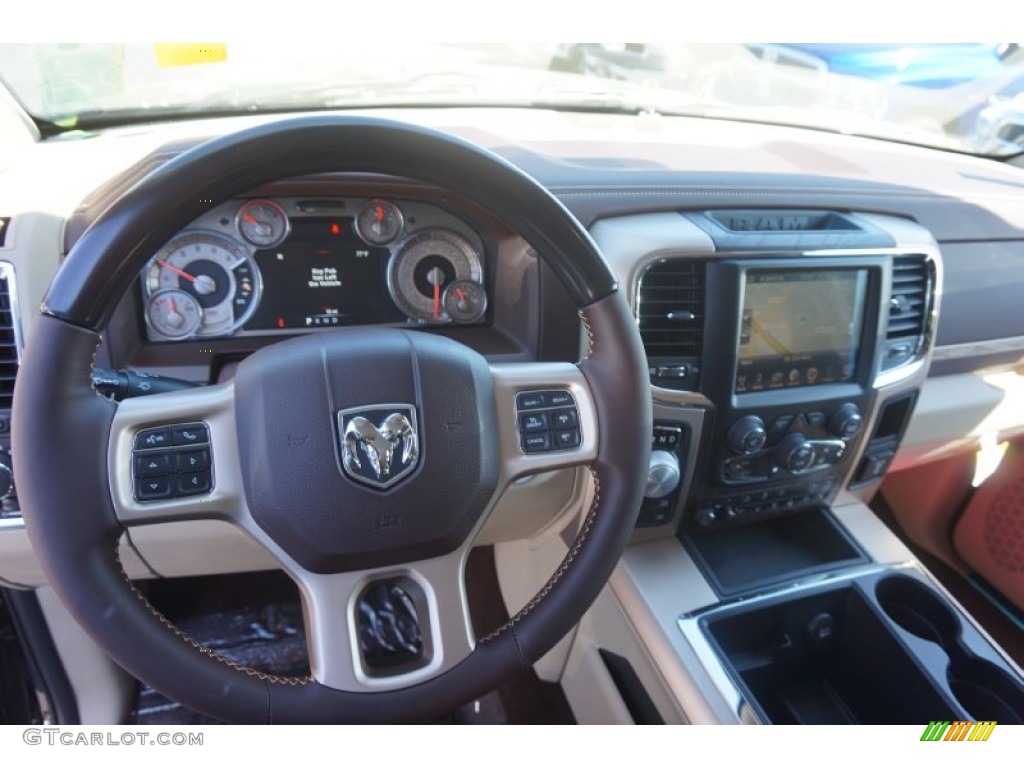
{"type": "Point", "coordinates": [800, 328]}
{"type": "Point", "coordinates": [323, 275]}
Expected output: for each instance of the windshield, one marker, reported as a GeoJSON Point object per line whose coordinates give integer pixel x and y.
{"type": "Point", "coordinates": [967, 97]}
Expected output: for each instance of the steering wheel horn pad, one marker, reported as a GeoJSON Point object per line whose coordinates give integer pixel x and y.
{"type": "Point", "coordinates": [74, 446]}
{"type": "Point", "coordinates": [287, 399]}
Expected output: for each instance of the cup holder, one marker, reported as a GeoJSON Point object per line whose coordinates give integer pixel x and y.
{"type": "Point", "coordinates": [986, 691]}
{"type": "Point", "coordinates": [983, 689]}
{"type": "Point", "coordinates": [918, 610]}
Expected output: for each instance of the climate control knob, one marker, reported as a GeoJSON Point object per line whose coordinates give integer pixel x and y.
{"type": "Point", "coordinates": [794, 453]}
{"type": "Point", "coordinates": [845, 422]}
{"type": "Point", "coordinates": [663, 475]}
{"type": "Point", "coordinates": [747, 435]}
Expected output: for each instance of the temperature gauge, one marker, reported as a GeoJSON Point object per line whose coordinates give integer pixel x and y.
{"type": "Point", "coordinates": [465, 301]}
{"type": "Point", "coordinates": [174, 314]}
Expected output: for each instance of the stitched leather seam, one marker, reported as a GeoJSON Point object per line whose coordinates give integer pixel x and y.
{"type": "Point", "coordinates": [590, 334]}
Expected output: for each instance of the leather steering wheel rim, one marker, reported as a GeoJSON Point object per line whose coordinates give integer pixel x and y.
{"type": "Point", "coordinates": [62, 428]}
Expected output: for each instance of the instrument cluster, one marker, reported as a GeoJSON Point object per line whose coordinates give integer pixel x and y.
{"type": "Point", "coordinates": [264, 266]}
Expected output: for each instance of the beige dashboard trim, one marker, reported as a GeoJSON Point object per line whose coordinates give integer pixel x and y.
{"type": "Point", "coordinates": [980, 348]}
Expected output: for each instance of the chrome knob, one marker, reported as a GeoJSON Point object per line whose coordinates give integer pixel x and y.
{"type": "Point", "coordinates": [663, 475]}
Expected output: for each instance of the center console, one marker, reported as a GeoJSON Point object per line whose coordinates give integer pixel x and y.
{"type": "Point", "coordinates": [786, 350]}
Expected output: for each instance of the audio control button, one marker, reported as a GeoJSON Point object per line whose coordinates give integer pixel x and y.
{"type": "Point", "coordinates": [152, 488]}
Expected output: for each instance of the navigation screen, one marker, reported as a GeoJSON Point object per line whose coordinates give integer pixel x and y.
{"type": "Point", "coordinates": [800, 328]}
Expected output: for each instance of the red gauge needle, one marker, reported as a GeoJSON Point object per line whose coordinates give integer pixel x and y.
{"type": "Point", "coordinates": [380, 213]}
{"type": "Point", "coordinates": [175, 270]}
{"type": "Point", "coordinates": [250, 219]}
{"type": "Point", "coordinates": [170, 303]}
{"type": "Point", "coordinates": [437, 300]}
{"type": "Point", "coordinates": [460, 294]}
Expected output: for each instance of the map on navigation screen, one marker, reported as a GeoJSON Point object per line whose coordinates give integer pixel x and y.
{"type": "Point", "coordinates": [800, 328]}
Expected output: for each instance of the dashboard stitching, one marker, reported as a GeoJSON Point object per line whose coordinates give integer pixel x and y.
{"type": "Point", "coordinates": [293, 681]}
{"type": "Point", "coordinates": [563, 568]}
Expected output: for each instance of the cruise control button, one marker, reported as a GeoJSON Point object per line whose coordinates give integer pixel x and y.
{"type": "Point", "coordinates": [189, 434]}
{"type": "Point", "coordinates": [557, 399]}
{"type": "Point", "coordinates": [567, 438]}
{"type": "Point", "coordinates": [152, 488]}
{"type": "Point", "coordinates": [536, 442]}
{"type": "Point", "coordinates": [193, 482]}
{"type": "Point", "coordinates": [156, 463]}
{"type": "Point", "coordinates": [153, 438]}
{"type": "Point", "coordinates": [565, 419]}
{"type": "Point", "coordinates": [528, 401]}
{"type": "Point", "coordinates": [533, 422]}
{"type": "Point", "coordinates": [193, 461]}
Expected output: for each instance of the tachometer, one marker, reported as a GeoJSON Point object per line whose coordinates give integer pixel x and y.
{"type": "Point", "coordinates": [424, 266]}
{"type": "Point", "coordinates": [214, 270]}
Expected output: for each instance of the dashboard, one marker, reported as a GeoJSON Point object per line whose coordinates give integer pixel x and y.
{"type": "Point", "coordinates": [818, 311]}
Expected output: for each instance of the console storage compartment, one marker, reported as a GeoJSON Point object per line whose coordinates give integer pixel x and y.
{"type": "Point", "coordinates": [884, 648]}
{"type": "Point", "coordinates": [756, 555]}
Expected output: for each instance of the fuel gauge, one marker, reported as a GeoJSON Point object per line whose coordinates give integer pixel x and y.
{"type": "Point", "coordinates": [263, 223]}
{"type": "Point", "coordinates": [379, 222]}
{"type": "Point", "coordinates": [465, 301]}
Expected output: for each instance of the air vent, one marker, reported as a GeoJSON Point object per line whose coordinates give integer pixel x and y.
{"type": "Point", "coordinates": [8, 340]}
{"type": "Point", "coordinates": [908, 307]}
{"type": "Point", "coordinates": [670, 311]}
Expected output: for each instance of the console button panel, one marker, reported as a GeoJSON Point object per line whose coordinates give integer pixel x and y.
{"type": "Point", "coordinates": [793, 444]}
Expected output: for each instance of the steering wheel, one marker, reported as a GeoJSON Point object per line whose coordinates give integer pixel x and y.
{"type": "Point", "coordinates": [283, 469]}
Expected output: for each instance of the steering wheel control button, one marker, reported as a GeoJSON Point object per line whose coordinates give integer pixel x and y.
{"type": "Point", "coordinates": [153, 463]}
{"type": "Point", "coordinates": [189, 434]}
{"type": "Point", "coordinates": [172, 472]}
{"type": "Point", "coordinates": [567, 438]}
{"type": "Point", "coordinates": [531, 401]}
{"type": "Point", "coordinates": [567, 418]}
{"type": "Point", "coordinates": [192, 483]}
{"type": "Point", "coordinates": [548, 421]}
{"type": "Point", "coordinates": [153, 438]}
{"type": "Point", "coordinates": [153, 488]}
{"type": "Point", "coordinates": [534, 422]}
{"type": "Point", "coordinates": [559, 399]}
{"type": "Point", "coordinates": [193, 461]}
{"type": "Point", "coordinates": [537, 442]}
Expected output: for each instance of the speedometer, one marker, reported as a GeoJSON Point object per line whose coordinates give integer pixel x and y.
{"type": "Point", "coordinates": [216, 271]}
{"type": "Point", "coordinates": [424, 266]}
